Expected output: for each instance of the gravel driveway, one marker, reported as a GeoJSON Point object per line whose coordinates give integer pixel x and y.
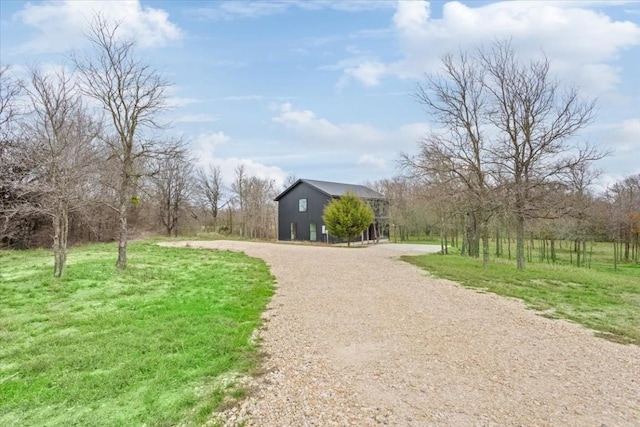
{"type": "Point", "coordinates": [358, 337]}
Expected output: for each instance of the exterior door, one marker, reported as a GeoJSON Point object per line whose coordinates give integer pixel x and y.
{"type": "Point", "coordinates": [313, 235]}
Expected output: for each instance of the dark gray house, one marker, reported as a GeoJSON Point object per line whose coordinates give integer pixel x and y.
{"type": "Point", "coordinates": [300, 210]}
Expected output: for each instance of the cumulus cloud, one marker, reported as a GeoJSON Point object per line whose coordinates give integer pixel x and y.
{"type": "Point", "coordinates": [316, 129]}
{"type": "Point", "coordinates": [368, 72]}
{"type": "Point", "coordinates": [61, 25]}
{"type": "Point", "coordinates": [581, 43]}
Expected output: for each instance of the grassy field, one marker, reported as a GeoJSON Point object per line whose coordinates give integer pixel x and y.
{"type": "Point", "coordinates": [599, 298]}
{"type": "Point", "coordinates": [157, 345]}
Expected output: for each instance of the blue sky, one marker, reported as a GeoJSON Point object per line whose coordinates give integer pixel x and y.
{"type": "Point", "coordinates": [322, 89]}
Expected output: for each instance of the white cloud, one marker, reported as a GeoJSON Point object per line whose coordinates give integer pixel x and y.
{"type": "Point", "coordinates": [204, 150]}
{"type": "Point", "coordinates": [368, 72]}
{"type": "Point", "coordinates": [319, 130]}
{"type": "Point", "coordinates": [253, 168]}
{"type": "Point", "coordinates": [370, 160]}
{"type": "Point", "coordinates": [306, 122]}
{"type": "Point", "coordinates": [629, 137]}
{"type": "Point", "coordinates": [61, 25]}
{"type": "Point", "coordinates": [347, 142]}
{"type": "Point", "coordinates": [581, 43]}
{"type": "Point", "coordinates": [623, 140]}
{"type": "Point", "coordinates": [208, 141]}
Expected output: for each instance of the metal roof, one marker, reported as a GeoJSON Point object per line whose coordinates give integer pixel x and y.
{"type": "Point", "coordinates": [336, 189]}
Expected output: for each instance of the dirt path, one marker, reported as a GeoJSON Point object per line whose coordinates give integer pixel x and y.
{"type": "Point", "coordinates": [357, 337]}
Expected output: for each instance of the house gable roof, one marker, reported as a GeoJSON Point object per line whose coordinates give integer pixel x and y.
{"type": "Point", "coordinates": [335, 189]}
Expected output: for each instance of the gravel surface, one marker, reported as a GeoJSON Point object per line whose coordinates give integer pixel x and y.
{"type": "Point", "coordinates": [356, 337]}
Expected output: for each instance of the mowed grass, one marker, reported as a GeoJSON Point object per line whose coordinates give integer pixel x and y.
{"type": "Point", "coordinates": [604, 300]}
{"type": "Point", "coordinates": [156, 345]}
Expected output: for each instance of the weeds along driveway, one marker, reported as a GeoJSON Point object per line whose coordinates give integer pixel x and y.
{"type": "Point", "coordinates": [358, 337]}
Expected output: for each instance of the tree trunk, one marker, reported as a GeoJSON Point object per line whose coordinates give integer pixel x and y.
{"type": "Point", "coordinates": [57, 249]}
{"type": "Point", "coordinates": [485, 244]}
{"type": "Point", "coordinates": [60, 237]}
{"type": "Point", "coordinates": [122, 243]}
{"type": "Point", "coordinates": [121, 263]}
{"type": "Point", "coordinates": [485, 251]}
{"type": "Point", "coordinates": [520, 242]}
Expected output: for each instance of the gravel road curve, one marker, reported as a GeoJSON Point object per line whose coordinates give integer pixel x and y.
{"type": "Point", "coordinates": [356, 337]}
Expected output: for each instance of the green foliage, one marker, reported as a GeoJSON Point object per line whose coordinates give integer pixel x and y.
{"type": "Point", "coordinates": [604, 300]}
{"type": "Point", "coordinates": [347, 216]}
{"type": "Point", "coordinates": [158, 344]}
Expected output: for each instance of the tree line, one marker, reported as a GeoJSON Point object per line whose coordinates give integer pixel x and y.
{"type": "Point", "coordinates": [86, 156]}
{"type": "Point", "coordinates": [420, 209]}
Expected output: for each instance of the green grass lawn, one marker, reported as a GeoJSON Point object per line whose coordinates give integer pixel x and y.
{"type": "Point", "coordinates": [154, 345]}
{"type": "Point", "coordinates": [604, 300]}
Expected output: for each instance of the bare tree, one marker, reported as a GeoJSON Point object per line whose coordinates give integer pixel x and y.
{"type": "Point", "coordinates": [10, 90]}
{"type": "Point", "coordinates": [132, 94]}
{"type": "Point", "coordinates": [535, 119]}
{"type": "Point", "coordinates": [253, 196]}
{"type": "Point", "coordinates": [624, 202]}
{"type": "Point", "coordinates": [507, 130]}
{"type": "Point", "coordinates": [289, 181]}
{"type": "Point", "coordinates": [59, 155]}
{"type": "Point", "coordinates": [239, 188]}
{"type": "Point", "coordinates": [456, 154]}
{"type": "Point", "coordinates": [173, 185]}
{"type": "Point", "coordinates": [212, 191]}
{"type": "Point", "coordinates": [259, 208]}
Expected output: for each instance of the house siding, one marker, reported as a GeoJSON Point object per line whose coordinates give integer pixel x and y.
{"type": "Point", "coordinates": [288, 212]}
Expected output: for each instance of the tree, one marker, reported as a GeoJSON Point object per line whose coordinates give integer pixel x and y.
{"type": "Point", "coordinates": [10, 91]}
{"type": "Point", "coordinates": [132, 94]}
{"type": "Point", "coordinates": [212, 191]}
{"type": "Point", "coordinates": [624, 217]}
{"type": "Point", "coordinates": [259, 207]}
{"type": "Point", "coordinates": [239, 188]}
{"type": "Point", "coordinates": [456, 154]}
{"type": "Point", "coordinates": [508, 130]}
{"type": "Point", "coordinates": [536, 119]}
{"type": "Point", "coordinates": [289, 181]}
{"type": "Point", "coordinates": [58, 154]}
{"type": "Point", "coordinates": [347, 217]}
{"type": "Point", "coordinates": [172, 180]}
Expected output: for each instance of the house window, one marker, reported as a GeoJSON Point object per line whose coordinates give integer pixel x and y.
{"type": "Point", "coordinates": [294, 229]}
{"type": "Point", "coordinates": [312, 232]}
{"type": "Point", "coordinates": [302, 205]}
